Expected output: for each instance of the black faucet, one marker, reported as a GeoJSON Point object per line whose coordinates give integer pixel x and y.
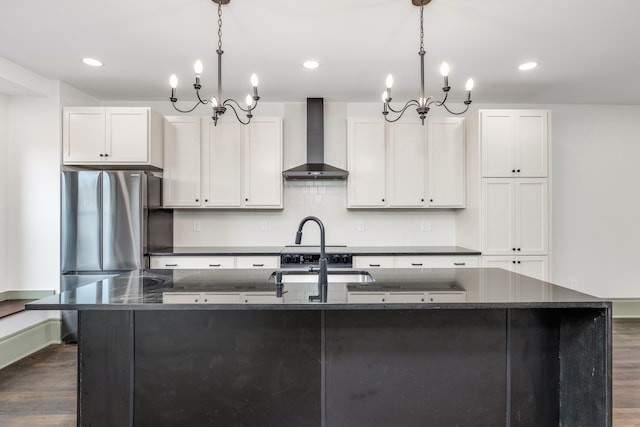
{"type": "Point", "coordinates": [322, 270]}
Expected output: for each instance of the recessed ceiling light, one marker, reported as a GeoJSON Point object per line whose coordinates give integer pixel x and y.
{"type": "Point", "coordinates": [527, 66]}
{"type": "Point", "coordinates": [311, 64]}
{"type": "Point", "coordinates": [93, 62]}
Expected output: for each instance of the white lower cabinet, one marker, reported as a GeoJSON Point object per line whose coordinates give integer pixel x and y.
{"type": "Point", "coordinates": [406, 297]}
{"type": "Point", "coordinates": [213, 262]}
{"type": "Point", "coordinates": [416, 261]}
{"type": "Point", "coordinates": [220, 298]}
{"type": "Point", "coordinates": [535, 267]}
{"type": "Point", "coordinates": [529, 265]}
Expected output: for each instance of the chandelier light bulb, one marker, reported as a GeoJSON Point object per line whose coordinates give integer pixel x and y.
{"type": "Point", "coordinates": [469, 85]}
{"type": "Point", "coordinates": [173, 81]}
{"type": "Point", "coordinates": [444, 69]}
{"type": "Point", "coordinates": [389, 81]}
{"type": "Point", "coordinates": [254, 80]}
{"type": "Point", "coordinates": [197, 67]}
{"type": "Point", "coordinates": [249, 100]}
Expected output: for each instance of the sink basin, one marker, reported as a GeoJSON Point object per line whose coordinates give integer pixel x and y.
{"type": "Point", "coordinates": [297, 276]}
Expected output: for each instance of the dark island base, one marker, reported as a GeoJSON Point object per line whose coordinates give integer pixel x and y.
{"type": "Point", "coordinates": [511, 367]}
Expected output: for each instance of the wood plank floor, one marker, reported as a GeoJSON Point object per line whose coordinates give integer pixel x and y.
{"type": "Point", "coordinates": [40, 390]}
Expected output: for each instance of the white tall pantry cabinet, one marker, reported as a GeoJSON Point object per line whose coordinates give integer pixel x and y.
{"type": "Point", "coordinates": [508, 215]}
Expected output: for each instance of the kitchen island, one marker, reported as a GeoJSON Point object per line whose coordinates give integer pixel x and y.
{"type": "Point", "coordinates": [461, 347]}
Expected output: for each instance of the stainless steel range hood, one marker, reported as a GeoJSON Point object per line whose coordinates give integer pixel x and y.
{"type": "Point", "coordinates": [315, 168]}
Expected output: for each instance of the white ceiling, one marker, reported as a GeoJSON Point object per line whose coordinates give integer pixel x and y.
{"type": "Point", "coordinates": [587, 49]}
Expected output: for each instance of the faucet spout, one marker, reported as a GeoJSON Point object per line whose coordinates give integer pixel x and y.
{"type": "Point", "coordinates": [322, 273]}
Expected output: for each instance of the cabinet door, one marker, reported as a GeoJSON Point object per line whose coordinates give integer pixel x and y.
{"type": "Point", "coordinates": [127, 139]}
{"type": "Point", "coordinates": [406, 166]}
{"type": "Point", "coordinates": [446, 171]}
{"type": "Point", "coordinates": [222, 170]}
{"type": "Point", "coordinates": [533, 266]}
{"type": "Point", "coordinates": [497, 135]}
{"type": "Point", "coordinates": [498, 290]}
{"type": "Point", "coordinates": [366, 152]}
{"type": "Point", "coordinates": [498, 216]}
{"type": "Point", "coordinates": [257, 262]}
{"type": "Point", "coordinates": [532, 216]}
{"type": "Point", "coordinates": [531, 149]}
{"type": "Point", "coordinates": [263, 163]}
{"type": "Point", "coordinates": [84, 135]}
{"type": "Point", "coordinates": [181, 175]}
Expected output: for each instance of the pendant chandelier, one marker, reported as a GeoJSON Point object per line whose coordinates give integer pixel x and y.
{"type": "Point", "coordinates": [219, 107]}
{"type": "Point", "coordinates": [423, 103]}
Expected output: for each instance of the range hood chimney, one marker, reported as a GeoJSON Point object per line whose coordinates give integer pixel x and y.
{"type": "Point", "coordinates": [315, 168]}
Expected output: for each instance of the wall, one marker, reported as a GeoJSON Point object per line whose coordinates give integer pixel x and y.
{"type": "Point", "coordinates": [596, 205]}
{"type": "Point", "coordinates": [32, 195]}
{"type": "Point", "coordinates": [4, 206]}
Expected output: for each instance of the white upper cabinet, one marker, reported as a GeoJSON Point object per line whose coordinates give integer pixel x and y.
{"type": "Point", "coordinates": [112, 136]}
{"type": "Point", "coordinates": [222, 173]}
{"type": "Point", "coordinates": [263, 163]}
{"type": "Point", "coordinates": [405, 164]}
{"type": "Point", "coordinates": [225, 166]}
{"type": "Point", "coordinates": [514, 143]}
{"type": "Point", "coordinates": [407, 158]}
{"type": "Point", "coordinates": [181, 176]}
{"type": "Point", "coordinates": [446, 169]}
{"type": "Point", "coordinates": [515, 216]}
{"type": "Point", "coordinates": [366, 151]}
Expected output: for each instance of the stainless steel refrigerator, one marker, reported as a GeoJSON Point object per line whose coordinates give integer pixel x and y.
{"type": "Point", "coordinates": [110, 221]}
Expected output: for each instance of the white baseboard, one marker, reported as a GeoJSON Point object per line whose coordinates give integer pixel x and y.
{"type": "Point", "coordinates": [28, 340]}
{"type": "Point", "coordinates": [626, 309]}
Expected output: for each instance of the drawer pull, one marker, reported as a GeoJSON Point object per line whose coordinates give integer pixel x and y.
{"type": "Point", "coordinates": [374, 265]}
{"type": "Point", "coordinates": [459, 263]}
{"type": "Point", "coordinates": [416, 264]}
{"type": "Point", "coordinates": [214, 265]}
{"type": "Point", "coordinates": [196, 300]}
{"type": "Point", "coordinates": [171, 265]}
{"type": "Point", "coordinates": [258, 265]}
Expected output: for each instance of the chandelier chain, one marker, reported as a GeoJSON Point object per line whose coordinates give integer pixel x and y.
{"type": "Point", "coordinates": [220, 25]}
{"type": "Point", "coordinates": [421, 28]}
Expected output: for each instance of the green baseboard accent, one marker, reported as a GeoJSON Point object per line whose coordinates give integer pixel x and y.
{"type": "Point", "coordinates": [25, 294]}
{"type": "Point", "coordinates": [29, 340]}
{"type": "Point", "coordinates": [626, 309]}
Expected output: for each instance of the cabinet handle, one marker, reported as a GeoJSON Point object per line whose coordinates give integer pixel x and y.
{"type": "Point", "coordinates": [459, 263]}
{"type": "Point", "coordinates": [518, 171]}
{"type": "Point", "coordinates": [197, 200]}
{"type": "Point", "coordinates": [101, 155]}
{"type": "Point", "coordinates": [513, 171]}
{"type": "Point", "coordinates": [214, 265]}
{"type": "Point", "coordinates": [416, 264]}
{"type": "Point", "coordinates": [206, 300]}
{"type": "Point", "coordinates": [513, 262]}
{"type": "Point", "coordinates": [422, 300]}
{"type": "Point", "coordinates": [431, 200]}
{"type": "Point", "coordinates": [382, 299]}
{"type": "Point", "coordinates": [383, 200]}
{"type": "Point", "coordinates": [513, 249]}
{"type": "Point", "coordinates": [422, 200]}
{"type": "Point", "coordinates": [106, 155]}
{"type": "Point", "coordinates": [518, 262]}
{"type": "Point", "coordinates": [374, 265]}
{"type": "Point", "coordinates": [196, 300]}
{"type": "Point", "coordinates": [430, 299]}
{"type": "Point", "coordinates": [246, 200]}
{"type": "Point", "coordinates": [246, 300]}
{"type": "Point", "coordinates": [171, 265]}
{"type": "Point", "coordinates": [518, 249]}
{"type": "Point", "coordinates": [258, 265]}
{"type": "Point", "coordinates": [206, 200]}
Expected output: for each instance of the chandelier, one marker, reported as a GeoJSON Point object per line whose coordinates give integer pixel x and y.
{"type": "Point", "coordinates": [423, 103]}
{"type": "Point", "coordinates": [219, 106]}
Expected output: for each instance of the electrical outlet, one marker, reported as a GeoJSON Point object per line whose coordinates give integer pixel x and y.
{"type": "Point", "coordinates": [264, 226]}
{"type": "Point", "coordinates": [196, 226]}
{"type": "Point", "coordinates": [574, 284]}
{"type": "Point", "coordinates": [425, 225]}
{"type": "Point", "coordinates": [360, 226]}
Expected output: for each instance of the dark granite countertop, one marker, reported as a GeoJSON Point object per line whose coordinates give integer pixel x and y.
{"type": "Point", "coordinates": [276, 250]}
{"type": "Point", "coordinates": [482, 287]}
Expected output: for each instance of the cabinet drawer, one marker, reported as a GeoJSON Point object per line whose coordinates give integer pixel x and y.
{"type": "Point", "coordinates": [373, 261]}
{"type": "Point", "coordinates": [406, 297]}
{"type": "Point", "coordinates": [257, 262]}
{"type": "Point", "coordinates": [261, 298]}
{"type": "Point", "coordinates": [221, 298]}
{"type": "Point", "coordinates": [446, 297]}
{"type": "Point", "coordinates": [178, 262]}
{"type": "Point", "coordinates": [366, 297]}
{"type": "Point", "coordinates": [181, 298]}
{"type": "Point", "coordinates": [435, 261]}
